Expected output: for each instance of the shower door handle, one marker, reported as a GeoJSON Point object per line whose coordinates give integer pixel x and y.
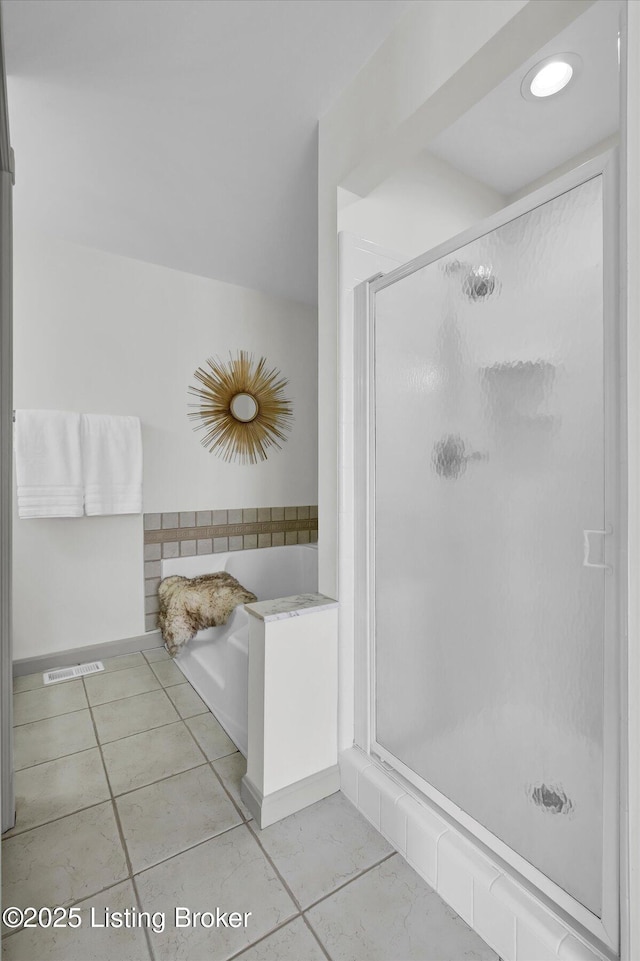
{"type": "Point", "coordinates": [587, 550]}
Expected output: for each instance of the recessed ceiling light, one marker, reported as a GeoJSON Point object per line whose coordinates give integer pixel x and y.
{"type": "Point", "coordinates": [550, 76]}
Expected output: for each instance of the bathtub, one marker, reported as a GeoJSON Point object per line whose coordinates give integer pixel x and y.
{"type": "Point", "coordinates": [215, 662]}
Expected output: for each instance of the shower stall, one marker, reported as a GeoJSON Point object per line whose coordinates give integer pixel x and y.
{"type": "Point", "coordinates": [490, 565]}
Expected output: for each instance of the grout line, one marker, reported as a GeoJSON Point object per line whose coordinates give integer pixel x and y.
{"type": "Point", "coordinates": [121, 834]}
{"type": "Point", "coordinates": [34, 827]}
{"type": "Point", "coordinates": [263, 937]}
{"type": "Point", "coordinates": [113, 801]}
{"type": "Point", "coordinates": [316, 936]}
{"type": "Point", "coordinates": [167, 777]}
{"type": "Point", "coordinates": [156, 727]}
{"type": "Point", "coordinates": [102, 703]}
{"type": "Point", "coordinates": [350, 881]}
{"type": "Point", "coordinates": [319, 900]}
{"type": "Point", "coordinates": [59, 757]}
{"type": "Point", "coordinates": [192, 847]}
{"type": "Point", "coordinates": [147, 931]}
{"type": "Point", "coordinates": [156, 660]}
{"type": "Point", "coordinates": [227, 791]}
{"type": "Point", "coordinates": [50, 717]}
{"type": "Point", "coordinates": [201, 749]}
{"type": "Point", "coordinates": [250, 825]}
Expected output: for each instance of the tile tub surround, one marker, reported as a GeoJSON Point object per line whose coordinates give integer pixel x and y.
{"type": "Point", "coordinates": [190, 533]}
{"type": "Point", "coordinates": [320, 884]}
{"type": "Point", "coordinates": [516, 924]}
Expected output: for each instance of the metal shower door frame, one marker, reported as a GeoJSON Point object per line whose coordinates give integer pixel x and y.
{"type": "Point", "coordinates": [607, 928]}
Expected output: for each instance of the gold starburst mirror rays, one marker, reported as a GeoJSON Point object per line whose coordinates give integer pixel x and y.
{"type": "Point", "coordinates": [241, 407]}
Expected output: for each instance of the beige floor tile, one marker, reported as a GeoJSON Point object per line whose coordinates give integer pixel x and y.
{"type": "Point", "coordinates": [28, 682]}
{"type": "Point", "coordinates": [52, 737]}
{"type": "Point", "coordinates": [50, 701]}
{"type": "Point", "coordinates": [123, 662]}
{"type": "Point", "coordinates": [59, 787]}
{"type": "Point", "coordinates": [229, 871]}
{"type": "Point", "coordinates": [293, 942]}
{"type": "Point", "coordinates": [132, 715]}
{"type": "Point", "coordinates": [321, 847]}
{"type": "Point", "coordinates": [142, 758]}
{"type": "Point", "coordinates": [166, 818]}
{"type": "Point", "coordinates": [156, 654]}
{"type": "Point", "coordinates": [84, 943]}
{"type": "Point", "coordinates": [232, 769]}
{"type": "Point", "coordinates": [167, 673]}
{"type": "Point", "coordinates": [187, 702]}
{"type": "Point", "coordinates": [390, 912]}
{"type": "Point", "coordinates": [62, 862]}
{"type": "Point", "coordinates": [210, 736]}
{"type": "Point", "coordinates": [114, 685]}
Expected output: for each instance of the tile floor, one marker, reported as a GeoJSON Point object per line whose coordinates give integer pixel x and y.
{"type": "Point", "coordinates": [128, 797]}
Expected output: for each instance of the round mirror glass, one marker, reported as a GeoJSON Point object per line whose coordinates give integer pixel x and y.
{"type": "Point", "coordinates": [244, 407]}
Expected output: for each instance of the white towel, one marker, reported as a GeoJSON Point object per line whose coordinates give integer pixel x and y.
{"type": "Point", "coordinates": [112, 464]}
{"type": "Point", "coordinates": [48, 463]}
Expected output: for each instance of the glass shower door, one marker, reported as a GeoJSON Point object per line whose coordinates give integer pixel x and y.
{"type": "Point", "coordinates": [491, 538]}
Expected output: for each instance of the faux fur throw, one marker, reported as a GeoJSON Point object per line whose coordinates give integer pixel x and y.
{"type": "Point", "coordinates": [190, 604]}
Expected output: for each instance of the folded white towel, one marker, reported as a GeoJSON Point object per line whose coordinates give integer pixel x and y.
{"type": "Point", "coordinates": [112, 464]}
{"type": "Point", "coordinates": [48, 463]}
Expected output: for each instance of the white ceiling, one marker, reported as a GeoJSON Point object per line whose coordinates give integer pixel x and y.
{"type": "Point", "coordinates": [183, 133]}
{"type": "Point", "coordinates": [508, 142]}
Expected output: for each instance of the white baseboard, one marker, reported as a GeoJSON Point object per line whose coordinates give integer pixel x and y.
{"type": "Point", "coordinates": [511, 920]}
{"type": "Point", "coordinates": [280, 804]}
{"type": "Point", "coordinates": [92, 652]}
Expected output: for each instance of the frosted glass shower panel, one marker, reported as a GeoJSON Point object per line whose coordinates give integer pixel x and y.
{"type": "Point", "coordinates": [489, 467]}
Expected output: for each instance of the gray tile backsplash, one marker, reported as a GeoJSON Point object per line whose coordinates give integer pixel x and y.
{"type": "Point", "coordinates": [189, 533]}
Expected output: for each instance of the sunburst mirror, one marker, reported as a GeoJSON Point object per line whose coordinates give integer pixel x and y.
{"type": "Point", "coordinates": [241, 407]}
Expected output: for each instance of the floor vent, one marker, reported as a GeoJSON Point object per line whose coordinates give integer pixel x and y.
{"type": "Point", "coordinates": [66, 673]}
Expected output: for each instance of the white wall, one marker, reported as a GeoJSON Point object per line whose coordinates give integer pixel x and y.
{"type": "Point", "coordinates": [425, 202]}
{"type": "Point", "coordinates": [105, 334]}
